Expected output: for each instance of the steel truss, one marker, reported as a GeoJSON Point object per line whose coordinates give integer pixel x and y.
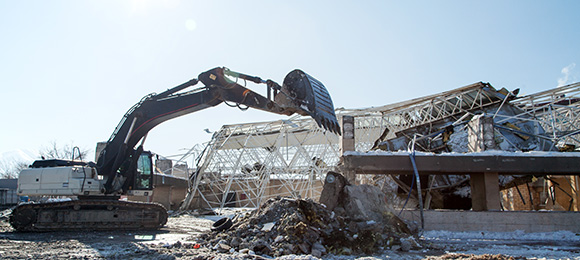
{"type": "Point", "coordinates": [262, 160]}
{"type": "Point", "coordinates": [556, 111]}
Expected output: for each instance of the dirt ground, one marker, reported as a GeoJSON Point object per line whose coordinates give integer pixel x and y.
{"type": "Point", "coordinates": [178, 241]}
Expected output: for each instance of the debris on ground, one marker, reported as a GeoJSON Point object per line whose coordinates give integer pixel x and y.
{"type": "Point", "coordinates": [178, 241]}
{"type": "Point", "coordinates": [284, 226]}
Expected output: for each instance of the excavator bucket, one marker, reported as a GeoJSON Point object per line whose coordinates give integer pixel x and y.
{"type": "Point", "coordinates": [305, 95]}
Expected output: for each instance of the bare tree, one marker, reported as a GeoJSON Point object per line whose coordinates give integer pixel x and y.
{"type": "Point", "coordinates": [53, 151]}
{"type": "Point", "coordinates": [11, 169]}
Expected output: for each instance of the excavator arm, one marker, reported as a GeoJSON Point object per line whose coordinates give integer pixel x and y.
{"type": "Point", "coordinates": [124, 168]}
{"type": "Point", "coordinates": [300, 93]}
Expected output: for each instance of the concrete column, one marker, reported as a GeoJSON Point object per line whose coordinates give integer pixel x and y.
{"type": "Point", "coordinates": [347, 143]}
{"type": "Point", "coordinates": [574, 183]}
{"type": "Point", "coordinates": [484, 186]}
{"type": "Point", "coordinates": [480, 134]}
{"type": "Point", "coordinates": [485, 191]}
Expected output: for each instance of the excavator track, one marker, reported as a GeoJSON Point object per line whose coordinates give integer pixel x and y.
{"type": "Point", "coordinates": [95, 215]}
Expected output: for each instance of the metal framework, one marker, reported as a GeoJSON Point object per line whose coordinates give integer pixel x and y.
{"type": "Point", "coordinates": [291, 157]}
{"type": "Point", "coordinates": [387, 122]}
{"type": "Point", "coordinates": [262, 160]}
{"type": "Point", "coordinates": [556, 111]}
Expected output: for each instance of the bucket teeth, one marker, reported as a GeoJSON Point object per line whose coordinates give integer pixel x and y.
{"type": "Point", "coordinates": [310, 97]}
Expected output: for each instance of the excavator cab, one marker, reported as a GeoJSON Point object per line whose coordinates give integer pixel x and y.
{"type": "Point", "coordinates": [143, 182]}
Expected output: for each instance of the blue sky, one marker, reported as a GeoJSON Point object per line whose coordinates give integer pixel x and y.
{"type": "Point", "coordinates": [69, 70]}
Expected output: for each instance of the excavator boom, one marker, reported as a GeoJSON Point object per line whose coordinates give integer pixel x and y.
{"type": "Point", "coordinates": [123, 167]}
{"type": "Point", "coordinates": [300, 93]}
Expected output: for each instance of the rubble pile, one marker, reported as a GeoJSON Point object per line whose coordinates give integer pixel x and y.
{"type": "Point", "coordinates": [284, 226]}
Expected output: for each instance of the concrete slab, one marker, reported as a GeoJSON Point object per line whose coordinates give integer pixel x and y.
{"type": "Point", "coordinates": [459, 164]}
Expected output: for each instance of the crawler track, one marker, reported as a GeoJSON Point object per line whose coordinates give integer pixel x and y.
{"type": "Point", "coordinates": [88, 215]}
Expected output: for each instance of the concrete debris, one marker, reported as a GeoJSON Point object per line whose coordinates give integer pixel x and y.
{"type": "Point", "coordinates": [364, 204]}
{"type": "Point", "coordinates": [178, 241]}
{"type": "Point", "coordinates": [409, 243]}
{"type": "Point", "coordinates": [283, 226]}
{"type": "Point", "coordinates": [333, 190]}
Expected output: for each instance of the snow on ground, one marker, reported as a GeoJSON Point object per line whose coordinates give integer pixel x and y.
{"type": "Point", "coordinates": [177, 240]}
{"type": "Point", "coordinates": [549, 245]}
{"type": "Point", "coordinates": [517, 235]}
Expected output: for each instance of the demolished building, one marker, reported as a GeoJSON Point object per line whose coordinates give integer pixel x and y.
{"type": "Point", "coordinates": [244, 165]}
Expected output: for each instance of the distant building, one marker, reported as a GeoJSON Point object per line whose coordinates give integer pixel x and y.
{"type": "Point", "coordinates": [8, 194]}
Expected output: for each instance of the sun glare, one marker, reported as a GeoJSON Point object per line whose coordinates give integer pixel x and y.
{"type": "Point", "coordinates": [190, 24]}
{"type": "Point", "coordinates": [139, 6]}
{"type": "Point", "coordinates": [143, 7]}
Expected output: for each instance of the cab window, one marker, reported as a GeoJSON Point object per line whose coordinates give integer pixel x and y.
{"type": "Point", "coordinates": [144, 170]}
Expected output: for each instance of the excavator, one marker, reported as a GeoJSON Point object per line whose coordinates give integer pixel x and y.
{"type": "Point", "coordinates": [123, 166]}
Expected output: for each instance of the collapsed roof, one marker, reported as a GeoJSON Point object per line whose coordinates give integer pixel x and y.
{"type": "Point", "coordinates": [297, 149]}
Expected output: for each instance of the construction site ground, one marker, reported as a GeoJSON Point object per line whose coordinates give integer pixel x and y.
{"type": "Point", "coordinates": [178, 240]}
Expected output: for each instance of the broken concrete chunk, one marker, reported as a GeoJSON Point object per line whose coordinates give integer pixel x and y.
{"type": "Point", "coordinates": [365, 202]}
{"type": "Point", "coordinates": [236, 241]}
{"type": "Point", "coordinates": [405, 245]}
{"type": "Point", "coordinates": [318, 246]}
{"type": "Point", "coordinates": [222, 247]}
{"type": "Point", "coordinates": [332, 189]}
{"type": "Point", "coordinates": [278, 239]}
{"type": "Point", "coordinates": [268, 226]}
{"type": "Point", "coordinates": [304, 248]}
{"type": "Point", "coordinates": [261, 246]}
{"type": "Point", "coordinates": [408, 243]}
